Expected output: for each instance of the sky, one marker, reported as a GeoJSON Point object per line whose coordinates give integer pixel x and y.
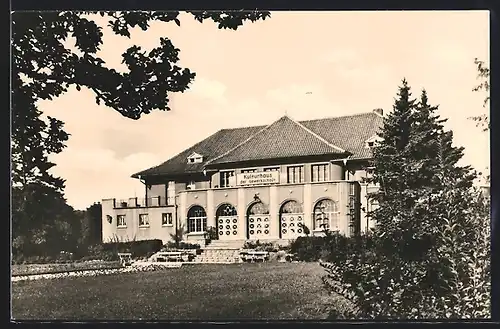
{"type": "Point", "coordinates": [305, 64]}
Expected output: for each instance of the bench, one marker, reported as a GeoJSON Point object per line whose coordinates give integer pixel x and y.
{"type": "Point", "coordinates": [168, 256]}
{"type": "Point", "coordinates": [125, 258]}
{"type": "Point", "coordinates": [175, 256]}
{"type": "Point", "coordinates": [254, 256]}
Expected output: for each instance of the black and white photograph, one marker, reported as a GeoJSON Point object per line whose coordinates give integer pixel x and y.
{"type": "Point", "coordinates": [250, 165]}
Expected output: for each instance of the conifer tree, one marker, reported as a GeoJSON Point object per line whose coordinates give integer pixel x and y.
{"type": "Point", "coordinates": [420, 260]}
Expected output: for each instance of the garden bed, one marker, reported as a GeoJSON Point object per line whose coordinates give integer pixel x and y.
{"type": "Point", "coordinates": [138, 267]}
{"type": "Point", "coordinates": [32, 269]}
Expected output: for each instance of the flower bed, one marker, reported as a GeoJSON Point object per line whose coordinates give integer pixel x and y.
{"type": "Point", "coordinates": [33, 269]}
{"type": "Point", "coordinates": [135, 268]}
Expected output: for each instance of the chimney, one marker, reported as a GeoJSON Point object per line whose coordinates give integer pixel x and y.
{"type": "Point", "coordinates": [379, 112]}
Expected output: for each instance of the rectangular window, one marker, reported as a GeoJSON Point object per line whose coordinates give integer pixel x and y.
{"type": "Point", "coordinates": [191, 225]}
{"type": "Point", "coordinates": [143, 220]}
{"type": "Point", "coordinates": [272, 169]}
{"type": "Point", "coordinates": [120, 221]}
{"type": "Point", "coordinates": [320, 173]}
{"type": "Point", "coordinates": [295, 174]}
{"type": "Point", "coordinates": [352, 189]}
{"type": "Point", "coordinates": [166, 219]}
{"type": "Point", "coordinates": [197, 224]}
{"type": "Point", "coordinates": [225, 178]}
{"type": "Point", "coordinates": [246, 171]}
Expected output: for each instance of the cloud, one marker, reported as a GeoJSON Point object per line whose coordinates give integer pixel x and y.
{"type": "Point", "coordinates": [341, 56]}
{"type": "Point", "coordinates": [93, 174]}
{"type": "Point", "coordinates": [208, 89]}
{"type": "Point", "coordinates": [140, 161]}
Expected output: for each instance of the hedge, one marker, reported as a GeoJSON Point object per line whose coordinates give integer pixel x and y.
{"type": "Point", "coordinates": [138, 249]}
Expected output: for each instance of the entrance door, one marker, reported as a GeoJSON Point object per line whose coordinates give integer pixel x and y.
{"type": "Point", "coordinates": [227, 222]}
{"type": "Point", "coordinates": [291, 220]}
{"type": "Point", "coordinates": [258, 223]}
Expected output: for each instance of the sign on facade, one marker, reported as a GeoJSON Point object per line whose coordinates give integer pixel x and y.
{"type": "Point", "coordinates": [258, 178]}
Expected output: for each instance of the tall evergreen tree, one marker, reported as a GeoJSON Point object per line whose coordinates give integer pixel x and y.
{"type": "Point", "coordinates": [416, 268]}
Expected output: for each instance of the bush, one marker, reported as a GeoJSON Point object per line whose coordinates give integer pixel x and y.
{"type": "Point", "coordinates": [453, 281]}
{"type": "Point", "coordinates": [211, 234]}
{"type": "Point", "coordinates": [331, 247]}
{"type": "Point", "coordinates": [138, 249]}
{"type": "Point", "coordinates": [307, 249]}
{"type": "Point", "coordinates": [260, 246]}
{"type": "Point", "coordinates": [171, 245]}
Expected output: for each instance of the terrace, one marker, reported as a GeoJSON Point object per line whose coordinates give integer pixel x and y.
{"type": "Point", "coordinates": [135, 202]}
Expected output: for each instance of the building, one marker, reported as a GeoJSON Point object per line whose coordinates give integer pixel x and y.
{"type": "Point", "coordinates": [274, 182]}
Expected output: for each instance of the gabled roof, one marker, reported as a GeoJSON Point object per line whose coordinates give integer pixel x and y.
{"type": "Point", "coordinates": [195, 155]}
{"type": "Point", "coordinates": [210, 147]}
{"type": "Point", "coordinates": [283, 138]}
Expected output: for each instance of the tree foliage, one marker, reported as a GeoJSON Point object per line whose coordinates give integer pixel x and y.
{"type": "Point", "coordinates": [45, 67]}
{"type": "Point", "coordinates": [483, 74]}
{"type": "Point", "coordinates": [40, 56]}
{"type": "Point", "coordinates": [428, 255]}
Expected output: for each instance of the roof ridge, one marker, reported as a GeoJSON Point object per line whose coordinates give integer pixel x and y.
{"type": "Point", "coordinates": [238, 145]}
{"type": "Point", "coordinates": [340, 117]}
{"type": "Point", "coordinates": [317, 136]}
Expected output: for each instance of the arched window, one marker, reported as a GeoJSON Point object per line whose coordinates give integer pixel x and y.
{"type": "Point", "coordinates": [225, 210]}
{"type": "Point", "coordinates": [291, 207]}
{"type": "Point", "coordinates": [326, 215]}
{"type": "Point", "coordinates": [291, 220]}
{"type": "Point", "coordinates": [258, 208]}
{"type": "Point", "coordinates": [197, 219]}
{"type": "Point", "coordinates": [258, 225]}
{"type": "Point", "coordinates": [227, 220]}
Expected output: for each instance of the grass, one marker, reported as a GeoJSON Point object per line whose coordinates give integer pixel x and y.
{"type": "Point", "coordinates": [27, 269]}
{"type": "Point", "coordinates": [196, 292]}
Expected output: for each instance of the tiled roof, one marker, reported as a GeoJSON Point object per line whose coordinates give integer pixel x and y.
{"type": "Point", "coordinates": [283, 138]}
{"type": "Point", "coordinates": [349, 132]}
{"type": "Point", "coordinates": [211, 147]}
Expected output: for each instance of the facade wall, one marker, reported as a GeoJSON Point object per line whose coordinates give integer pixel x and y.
{"type": "Point", "coordinates": [335, 170]}
{"type": "Point", "coordinates": [132, 230]}
{"type": "Point", "coordinates": [210, 197]}
{"type": "Point", "coordinates": [156, 190]}
{"type": "Point", "coordinates": [273, 197]}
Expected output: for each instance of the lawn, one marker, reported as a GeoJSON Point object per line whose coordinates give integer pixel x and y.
{"type": "Point", "coordinates": [192, 292]}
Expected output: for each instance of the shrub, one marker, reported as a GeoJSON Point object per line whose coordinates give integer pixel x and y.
{"type": "Point", "coordinates": [307, 249]}
{"type": "Point", "coordinates": [138, 249]}
{"type": "Point", "coordinates": [452, 281]}
{"type": "Point", "coordinates": [329, 247]}
{"type": "Point", "coordinates": [172, 245]}
{"type": "Point", "coordinates": [211, 234]}
{"type": "Point", "coordinates": [260, 246]}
